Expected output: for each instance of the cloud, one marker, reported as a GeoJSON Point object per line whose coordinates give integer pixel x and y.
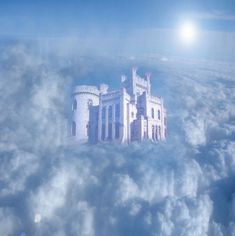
{"type": "Point", "coordinates": [214, 15]}
{"type": "Point", "coordinates": [184, 186]}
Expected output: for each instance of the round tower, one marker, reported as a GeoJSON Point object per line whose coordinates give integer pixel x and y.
{"type": "Point", "coordinates": [84, 98]}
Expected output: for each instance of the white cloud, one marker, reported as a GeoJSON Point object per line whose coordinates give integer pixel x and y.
{"type": "Point", "coordinates": [181, 187]}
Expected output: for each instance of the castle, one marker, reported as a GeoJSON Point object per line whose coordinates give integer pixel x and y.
{"type": "Point", "coordinates": [121, 116]}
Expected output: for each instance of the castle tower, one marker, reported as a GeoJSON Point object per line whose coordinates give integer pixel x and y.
{"type": "Point", "coordinates": [85, 113]}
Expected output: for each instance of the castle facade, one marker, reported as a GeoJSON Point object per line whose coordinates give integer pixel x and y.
{"type": "Point", "coordinates": [121, 116]}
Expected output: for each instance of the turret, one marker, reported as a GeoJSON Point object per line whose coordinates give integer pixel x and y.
{"type": "Point", "coordinates": [84, 98]}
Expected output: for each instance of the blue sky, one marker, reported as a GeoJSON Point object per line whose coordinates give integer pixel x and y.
{"type": "Point", "coordinates": [57, 18]}
{"type": "Point", "coordinates": [130, 28]}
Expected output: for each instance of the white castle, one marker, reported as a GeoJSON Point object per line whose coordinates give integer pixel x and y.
{"type": "Point", "coordinates": [121, 116]}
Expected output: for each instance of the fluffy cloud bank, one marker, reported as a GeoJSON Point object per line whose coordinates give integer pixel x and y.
{"type": "Point", "coordinates": [50, 186]}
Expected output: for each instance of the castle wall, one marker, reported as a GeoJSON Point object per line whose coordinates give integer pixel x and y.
{"type": "Point", "coordinates": [108, 119]}
{"type": "Point", "coordinates": [85, 97]}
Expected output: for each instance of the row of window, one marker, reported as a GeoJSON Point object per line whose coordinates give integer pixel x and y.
{"type": "Point", "coordinates": [158, 114]}
{"type": "Point", "coordinates": [103, 134]}
{"type": "Point", "coordinates": [117, 111]}
{"type": "Point", "coordinates": [156, 132]}
{"type": "Point", "coordinates": [89, 103]}
{"type": "Point", "coordinates": [110, 131]}
{"type": "Point", "coordinates": [110, 112]}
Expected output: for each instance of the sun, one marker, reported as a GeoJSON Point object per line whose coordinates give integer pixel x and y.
{"type": "Point", "coordinates": [188, 32]}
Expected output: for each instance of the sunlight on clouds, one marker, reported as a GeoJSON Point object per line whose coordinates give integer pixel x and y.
{"type": "Point", "coordinates": [180, 187]}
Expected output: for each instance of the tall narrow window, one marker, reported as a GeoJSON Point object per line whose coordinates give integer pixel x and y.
{"type": "Point", "coordinates": [110, 131]}
{"type": "Point", "coordinates": [74, 128]}
{"type": "Point", "coordinates": [103, 114]}
{"type": "Point", "coordinates": [153, 132]}
{"type": "Point", "coordinates": [117, 111]}
{"type": "Point", "coordinates": [156, 132]}
{"type": "Point", "coordinates": [103, 132]}
{"type": "Point", "coordinates": [74, 104]}
{"type": "Point", "coordinates": [159, 132]}
{"type": "Point", "coordinates": [117, 130]}
{"type": "Point", "coordinates": [152, 113]}
{"type": "Point", "coordinates": [110, 113]}
{"type": "Point", "coordinates": [165, 121]}
{"type": "Point", "coordinates": [159, 114]}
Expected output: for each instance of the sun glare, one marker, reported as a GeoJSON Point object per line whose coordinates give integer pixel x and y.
{"type": "Point", "coordinates": [188, 32]}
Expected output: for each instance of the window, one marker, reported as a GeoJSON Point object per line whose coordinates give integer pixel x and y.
{"type": "Point", "coordinates": [110, 131]}
{"type": "Point", "coordinates": [156, 132]}
{"type": "Point", "coordinates": [74, 128]}
{"type": "Point", "coordinates": [110, 113]}
{"type": "Point", "coordinates": [153, 132]}
{"type": "Point", "coordinates": [159, 114]}
{"type": "Point", "coordinates": [103, 113]}
{"type": "Point", "coordinates": [117, 111]}
{"type": "Point", "coordinates": [103, 132]}
{"type": "Point", "coordinates": [75, 104]}
{"type": "Point", "coordinates": [89, 103]}
{"type": "Point", "coordinates": [152, 113]}
{"type": "Point", "coordinates": [159, 131]}
{"type": "Point", "coordinates": [117, 131]}
{"type": "Point", "coordinates": [165, 121]}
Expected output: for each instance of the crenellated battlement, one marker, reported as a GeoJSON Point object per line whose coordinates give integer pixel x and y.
{"type": "Point", "coordinates": [87, 89]}
{"type": "Point", "coordinates": [141, 80]}
{"type": "Point", "coordinates": [156, 100]}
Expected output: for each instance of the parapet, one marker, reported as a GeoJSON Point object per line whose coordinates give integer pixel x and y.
{"type": "Point", "coordinates": [103, 88]}
{"type": "Point", "coordinates": [87, 89]}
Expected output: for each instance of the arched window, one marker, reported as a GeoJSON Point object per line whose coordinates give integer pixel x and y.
{"type": "Point", "coordinates": [156, 132]}
{"type": "Point", "coordinates": [74, 104]}
{"type": "Point", "coordinates": [152, 113]}
{"type": "Point", "coordinates": [73, 128]}
{"type": "Point", "coordinates": [153, 132]}
{"type": "Point", "coordinates": [159, 114]}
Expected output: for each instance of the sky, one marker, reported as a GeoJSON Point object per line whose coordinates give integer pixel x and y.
{"type": "Point", "coordinates": [123, 27]}
{"type": "Point", "coordinates": [53, 18]}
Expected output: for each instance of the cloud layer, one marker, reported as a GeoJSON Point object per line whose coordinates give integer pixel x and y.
{"type": "Point", "coordinates": [51, 186]}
